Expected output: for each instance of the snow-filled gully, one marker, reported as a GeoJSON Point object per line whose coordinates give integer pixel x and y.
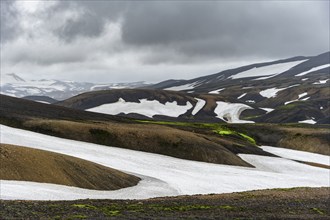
{"type": "Point", "coordinates": [163, 175]}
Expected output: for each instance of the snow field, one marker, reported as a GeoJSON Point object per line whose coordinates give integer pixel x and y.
{"type": "Point", "coordinates": [271, 70]}
{"type": "Point", "coordinates": [298, 155]}
{"type": "Point", "coordinates": [145, 107]}
{"type": "Point", "coordinates": [161, 175]}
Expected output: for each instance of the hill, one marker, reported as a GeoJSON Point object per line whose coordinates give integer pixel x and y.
{"type": "Point", "coordinates": [27, 164]}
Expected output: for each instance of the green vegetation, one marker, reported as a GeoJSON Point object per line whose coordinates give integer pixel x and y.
{"type": "Point", "coordinates": [319, 211]}
{"type": "Point", "coordinates": [250, 139]}
{"type": "Point", "coordinates": [292, 203]}
{"type": "Point", "coordinates": [224, 131]}
{"type": "Point", "coordinates": [86, 206]}
{"type": "Point", "coordinates": [227, 207]}
{"type": "Point", "coordinates": [181, 208]}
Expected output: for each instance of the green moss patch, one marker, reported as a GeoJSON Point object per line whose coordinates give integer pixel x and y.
{"type": "Point", "coordinates": [224, 131]}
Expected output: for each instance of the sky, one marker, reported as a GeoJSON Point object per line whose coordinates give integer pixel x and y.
{"type": "Point", "coordinates": [152, 41]}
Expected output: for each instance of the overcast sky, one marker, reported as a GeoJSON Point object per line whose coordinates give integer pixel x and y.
{"type": "Point", "coordinates": [123, 41]}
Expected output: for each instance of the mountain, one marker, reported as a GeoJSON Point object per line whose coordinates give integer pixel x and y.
{"type": "Point", "coordinates": [13, 85]}
{"type": "Point", "coordinates": [278, 73]}
{"type": "Point", "coordinates": [294, 90]}
{"type": "Point", "coordinates": [42, 99]}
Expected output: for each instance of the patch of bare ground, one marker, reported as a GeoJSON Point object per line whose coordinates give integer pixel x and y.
{"type": "Point", "coordinates": [142, 137]}
{"type": "Point", "coordinates": [27, 164]}
{"type": "Point", "coordinates": [294, 203]}
{"type": "Point", "coordinates": [302, 137]}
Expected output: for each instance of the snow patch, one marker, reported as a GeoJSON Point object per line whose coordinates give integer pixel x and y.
{"type": "Point", "coordinates": [313, 69]}
{"type": "Point", "coordinates": [199, 105]}
{"type": "Point", "coordinates": [216, 91]}
{"type": "Point", "coordinates": [267, 109]}
{"type": "Point", "coordinates": [145, 107]}
{"type": "Point", "coordinates": [299, 98]}
{"type": "Point", "coordinates": [271, 70]}
{"type": "Point", "coordinates": [321, 82]}
{"type": "Point", "coordinates": [270, 93]}
{"type": "Point", "coordinates": [309, 121]}
{"type": "Point", "coordinates": [241, 96]}
{"type": "Point", "coordinates": [302, 95]}
{"type": "Point", "coordinates": [230, 112]}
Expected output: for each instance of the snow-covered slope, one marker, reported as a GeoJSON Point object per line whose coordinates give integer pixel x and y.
{"type": "Point", "coordinates": [272, 85]}
{"type": "Point", "coordinates": [270, 71]}
{"type": "Point", "coordinates": [161, 175]}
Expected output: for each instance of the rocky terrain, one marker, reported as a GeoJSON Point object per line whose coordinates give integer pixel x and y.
{"type": "Point", "coordinates": [296, 203]}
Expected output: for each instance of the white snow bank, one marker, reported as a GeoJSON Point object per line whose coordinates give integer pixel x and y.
{"type": "Point", "coordinates": [199, 105]}
{"type": "Point", "coordinates": [267, 109]}
{"type": "Point", "coordinates": [145, 107]}
{"type": "Point", "coordinates": [320, 82]}
{"type": "Point", "coordinates": [216, 91]}
{"type": "Point", "coordinates": [313, 69]}
{"type": "Point", "coordinates": [241, 96]}
{"type": "Point", "coordinates": [299, 98]}
{"type": "Point", "coordinates": [271, 70]}
{"type": "Point", "coordinates": [270, 93]}
{"type": "Point", "coordinates": [161, 175]}
{"type": "Point", "coordinates": [230, 112]}
{"type": "Point", "coordinates": [298, 155]}
{"type": "Point", "coordinates": [308, 121]}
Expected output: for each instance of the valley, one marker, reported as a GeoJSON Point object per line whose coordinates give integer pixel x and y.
{"type": "Point", "coordinates": [195, 148]}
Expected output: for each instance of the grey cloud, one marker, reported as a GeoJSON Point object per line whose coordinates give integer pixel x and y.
{"type": "Point", "coordinates": [230, 29]}
{"type": "Point", "coordinates": [165, 32]}
{"type": "Point", "coordinates": [92, 21]}
{"type": "Point", "coordinates": [9, 28]}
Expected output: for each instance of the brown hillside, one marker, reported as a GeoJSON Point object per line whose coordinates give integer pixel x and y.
{"type": "Point", "coordinates": [27, 164]}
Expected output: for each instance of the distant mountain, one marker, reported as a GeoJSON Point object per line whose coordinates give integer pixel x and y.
{"type": "Point", "coordinates": [294, 90]}
{"type": "Point", "coordinates": [13, 85]}
{"type": "Point", "coordinates": [42, 99]}
{"type": "Point", "coordinates": [296, 70]}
